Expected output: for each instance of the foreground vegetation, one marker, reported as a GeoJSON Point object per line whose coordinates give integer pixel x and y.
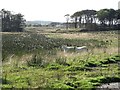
{"type": "Point", "coordinates": [34, 60]}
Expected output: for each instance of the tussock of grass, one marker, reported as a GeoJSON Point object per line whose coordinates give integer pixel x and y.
{"type": "Point", "coordinates": [78, 68]}
{"type": "Point", "coordinates": [100, 80]}
{"type": "Point", "coordinates": [113, 59]}
{"type": "Point", "coordinates": [54, 67]}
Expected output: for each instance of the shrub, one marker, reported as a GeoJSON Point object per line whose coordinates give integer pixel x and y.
{"type": "Point", "coordinates": [113, 59]}
{"type": "Point", "coordinates": [58, 86]}
{"type": "Point", "coordinates": [37, 61]}
{"type": "Point", "coordinates": [84, 85]}
{"type": "Point", "coordinates": [109, 79]}
{"type": "Point", "coordinates": [77, 68]}
{"type": "Point", "coordinates": [53, 67]}
{"type": "Point", "coordinates": [92, 64]}
{"type": "Point", "coordinates": [62, 61]}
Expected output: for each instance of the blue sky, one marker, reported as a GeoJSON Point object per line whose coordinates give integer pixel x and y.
{"type": "Point", "coordinates": [54, 10]}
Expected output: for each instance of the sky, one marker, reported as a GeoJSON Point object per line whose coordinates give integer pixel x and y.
{"type": "Point", "coordinates": [54, 10]}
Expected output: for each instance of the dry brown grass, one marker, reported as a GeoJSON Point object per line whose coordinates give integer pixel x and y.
{"type": "Point", "coordinates": [94, 51]}
{"type": "Point", "coordinates": [69, 36]}
{"type": "Point", "coordinates": [11, 32]}
{"type": "Point", "coordinates": [25, 58]}
{"type": "Point", "coordinates": [82, 36]}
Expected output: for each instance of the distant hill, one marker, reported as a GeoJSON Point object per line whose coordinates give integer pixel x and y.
{"type": "Point", "coordinates": [38, 22]}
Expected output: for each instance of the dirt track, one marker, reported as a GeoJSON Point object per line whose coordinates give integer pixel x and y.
{"type": "Point", "coordinates": [109, 86]}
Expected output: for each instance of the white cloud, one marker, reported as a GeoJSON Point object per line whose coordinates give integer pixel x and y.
{"type": "Point", "coordinates": [54, 10]}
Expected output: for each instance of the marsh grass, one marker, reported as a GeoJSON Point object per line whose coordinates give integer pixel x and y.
{"type": "Point", "coordinates": [39, 62]}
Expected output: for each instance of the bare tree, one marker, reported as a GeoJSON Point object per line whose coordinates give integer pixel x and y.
{"type": "Point", "coordinates": [67, 16]}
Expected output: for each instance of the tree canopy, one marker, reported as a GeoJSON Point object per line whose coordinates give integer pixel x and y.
{"type": "Point", "coordinates": [92, 18]}
{"type": "Point", "coordinates": [12, 22]}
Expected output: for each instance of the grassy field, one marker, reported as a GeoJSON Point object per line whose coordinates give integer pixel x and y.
{"type": "Point", "coordinates": [34, 59]}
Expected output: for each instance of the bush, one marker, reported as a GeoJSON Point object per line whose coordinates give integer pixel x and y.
{"type": "Point", "coordinates": [58, 86]}
{"type": "Point", "coordinates": [77, 68]}
{"type": "Point", "coordinates": [62, 61]}
{"type": "Point", "coordinates": [92, 64]}
{"type": "Point", "coordinates": [37, 61]}
{"type": "Point", "coordinates": [53, 67]}
{"type": "Point", "coordinates": [112, 59]}
{"type": "Point", "coordinates": [100, 80]}
{"type": "Point", "coordinates": [109, 79]}
{"type": "Point", "coordinates": [84, 85]}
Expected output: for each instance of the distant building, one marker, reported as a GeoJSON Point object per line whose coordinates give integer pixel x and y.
{"type": "Point", "coordinates": [53, 24]}
{"type": "Point", "coordinates": [57, 25]}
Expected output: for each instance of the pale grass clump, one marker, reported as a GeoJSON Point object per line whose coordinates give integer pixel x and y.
{"type": "Point", "coordinates": [110, 50]}
{"type": "Point", "coordinates": [16, 61]}
{"type": "Point", "coordinates": [25, 58]}
{"type": "Point", "coordinates": [67, 54]}
{"type": "Point", "coordinates": [71, 56]}
{"type": "Point", "coordinates": [10, 60]}
{"type": "Point", "coordinates": [13, 61]}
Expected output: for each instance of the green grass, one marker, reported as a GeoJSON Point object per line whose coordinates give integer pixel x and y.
{"type": "Point", "coordinates": [39, 62]}
{"type": "Point", "coordinates": [58, 75]}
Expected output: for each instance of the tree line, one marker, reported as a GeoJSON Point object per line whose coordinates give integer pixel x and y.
{"type": "Point", "coordinates": [11, 22]}
{"type": "Point", "coordinates": [89, 19]}
{"type": "Point", "coordinates": [92, 19]}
